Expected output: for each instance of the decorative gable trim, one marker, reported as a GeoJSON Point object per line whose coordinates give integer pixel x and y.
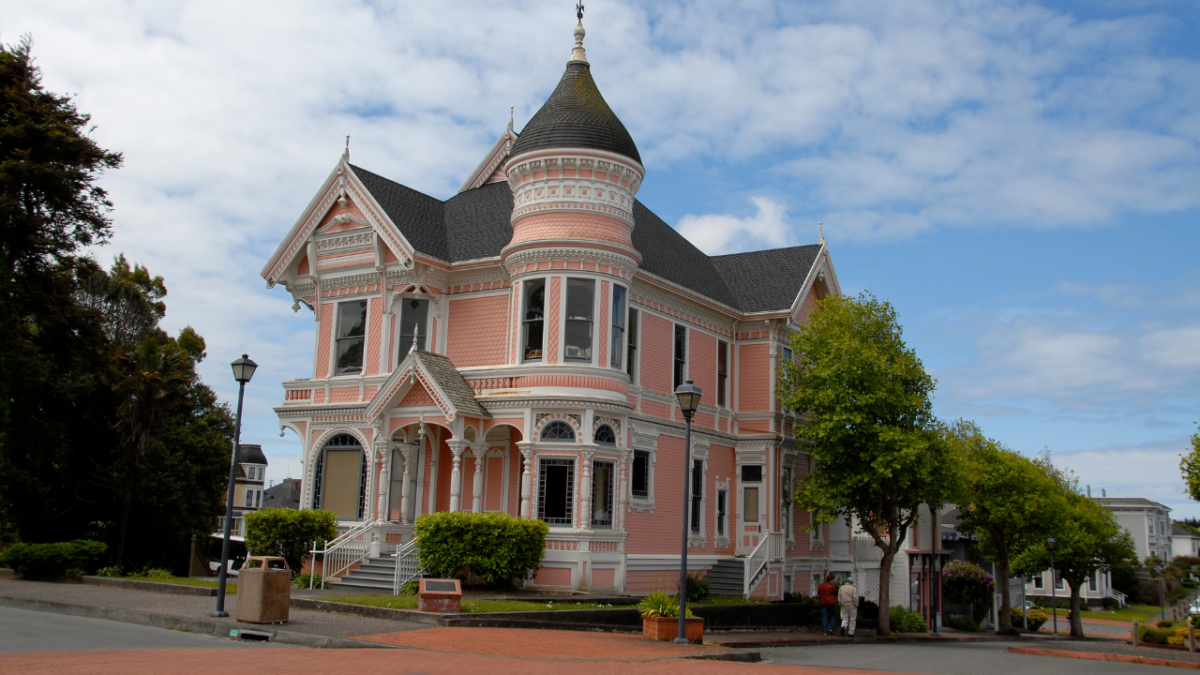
{"type": "Point", "coordinates": [821, 271]}
{"type": "Point", "coordinates": [341, 184]}
{"type": "Point", "coordinates": [489, 169]}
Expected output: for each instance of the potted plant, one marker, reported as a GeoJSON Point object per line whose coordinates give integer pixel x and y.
{"type": "Point", "coordinates": [660, 619]}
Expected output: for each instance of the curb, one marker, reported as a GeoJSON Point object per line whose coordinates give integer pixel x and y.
{"type": "Point", "coordinates": [153, 586]}
{"type": "Point", "coordinates": [370, 612]}
{"type": "Point", "coordinates": [812, 642]}
{"type": "Point", "coordinates": [200, 626]}
{"type": "Point", "coordinates": [1094, 656]}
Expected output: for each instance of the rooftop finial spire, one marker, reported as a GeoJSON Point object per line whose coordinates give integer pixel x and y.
{"type": "Point", "coordinates": [820, 233]}
{"type": "Point", "coordinates": [346, 154]}
{"type": "Point", "coordinates": [577, 54]}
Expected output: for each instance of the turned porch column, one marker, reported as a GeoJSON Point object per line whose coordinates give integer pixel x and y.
{"type": "Point", "coordinates": [456, 448]}
{"type": "Point", "coordinates": [479, 452]}
{"type": "Point", "coordinates": [526, 476]}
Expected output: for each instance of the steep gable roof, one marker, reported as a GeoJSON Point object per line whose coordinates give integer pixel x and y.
{"type": "Point", "coordinates": [758, 292]}
{"type": "Point", "coordinates": [476, 224]}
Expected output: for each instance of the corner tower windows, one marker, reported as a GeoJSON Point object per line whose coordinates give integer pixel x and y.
{"type": "Point", "coordinates": [618, 326]}
{"type": "Point", "coordinates": [631, 363]}
{"type": "Point", "coordinates": [351, 329]}
{"type": "Point", "coordinates": [581, 295]}
{"type": "Point", "coordinates": [534, 322]}
{"type": "Point", "coordinates": [413, 316]}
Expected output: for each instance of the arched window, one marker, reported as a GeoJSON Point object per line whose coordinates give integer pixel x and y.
{"type": "Point", "coordinates": [605, 435]}
{"type": "Point", "coordinates": [558, 431]}
{"type": "Point", "coordinates": [340, 478]}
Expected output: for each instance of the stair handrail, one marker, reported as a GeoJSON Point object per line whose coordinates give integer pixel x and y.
{"type": "Point", "coordinates": [408, 565]}
{"type": "Point", "coordinates": [769, 549]}
{"type": "Point", "coordinates": [343, 551]}
{"type": "Point", "coordinates": [1120, 597]}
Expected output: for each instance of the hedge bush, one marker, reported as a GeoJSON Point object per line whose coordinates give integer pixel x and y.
{"type": "Point", "coordinates": [48, 560]}
{"type": "Point", "coordinates": [1157, 636]}
{"type": "Point", "coordinates": [494, 546]}
{"type": "Point", "coordinates": [1036, 618]}
{"type": "Point", "coordinates": [904, 621]}
{"type": "Point", "coordinates": [288, 533]}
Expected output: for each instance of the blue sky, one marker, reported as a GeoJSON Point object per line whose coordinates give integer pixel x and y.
{"type": "Point", "coordinates": [1021, 180]}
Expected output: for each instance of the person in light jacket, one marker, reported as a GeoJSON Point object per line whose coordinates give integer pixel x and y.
{"type": "Point", "coordinates": [848, 599]}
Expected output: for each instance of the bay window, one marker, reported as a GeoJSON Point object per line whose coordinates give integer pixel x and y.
{"type": "Point", "coordinates": [534, 322]}
{"type": "Point", "coordinates": [351, 331]}
{"type": "Point", "coordinates": [581, 294]}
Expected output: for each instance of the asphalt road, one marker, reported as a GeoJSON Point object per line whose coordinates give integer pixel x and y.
{"type": "Point", "coordinates": [22, 630]}
{"type": "Point", "coordinates": [972, 658]}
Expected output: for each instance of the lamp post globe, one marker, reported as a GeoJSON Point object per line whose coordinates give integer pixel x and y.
{"type": "Point", "coordinates": [688, 395]}
{"type": "Point", "coordinates": [243, 370]}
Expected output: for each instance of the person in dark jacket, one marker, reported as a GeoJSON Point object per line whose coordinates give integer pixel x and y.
{"type": "Point", "coordinates": [828, 595]}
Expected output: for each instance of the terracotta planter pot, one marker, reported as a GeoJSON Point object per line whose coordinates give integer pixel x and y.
{"type": "Point", "coordinates": [667, 629]}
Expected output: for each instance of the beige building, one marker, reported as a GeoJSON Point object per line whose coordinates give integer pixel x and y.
{"type": "Point", "coordinates": [247, 488]}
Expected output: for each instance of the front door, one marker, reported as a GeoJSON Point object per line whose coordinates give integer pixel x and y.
{"type": "Point", "coordinates": [751, 512]}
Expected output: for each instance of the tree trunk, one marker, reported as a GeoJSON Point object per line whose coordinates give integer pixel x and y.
{"type": "Point", "coordinates": [1076, 620]}
{"type": "Point", "coordinates": [885, 582]}
{"type": "Point", "coordinates": [1005, 622]}
{"type": "Point", "coordinates": [126, 502]}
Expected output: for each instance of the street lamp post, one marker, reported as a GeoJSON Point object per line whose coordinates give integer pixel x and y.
{"type": "Point", "coordinates": [1162, 602]}
{"type": "Point", "coordinates": [1051, 544]}
{"type": "Point", "coordinates": [243, 370]}
{"type": "Point", "coordinates": [688, 395]}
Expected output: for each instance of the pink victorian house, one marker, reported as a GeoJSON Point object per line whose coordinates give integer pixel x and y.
{"type": "Point", "coordinates": [515, 348]}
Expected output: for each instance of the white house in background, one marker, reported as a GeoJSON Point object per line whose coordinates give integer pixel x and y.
{"type": "Point", "coordinates": [1183, 542]}
{"type": "Point", "coordinates": [247, 488]}
{"type": "Point", "coordinates": [1148, 522]}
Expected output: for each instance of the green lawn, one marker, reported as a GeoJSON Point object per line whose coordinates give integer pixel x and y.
{"type": "Point", "coordinates": [471, 606]}
{"type": "Point", "coordinates": [1142, 613]}
{"type": "Point", "coordinates": [230, 586]}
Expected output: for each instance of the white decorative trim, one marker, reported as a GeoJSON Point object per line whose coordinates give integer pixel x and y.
{"type": "Point", "coordinates": [645, 439]}
{"type": "Point", "coordinates": [574, 193]}
{"type": "Point", "coordinates": [626, 261]}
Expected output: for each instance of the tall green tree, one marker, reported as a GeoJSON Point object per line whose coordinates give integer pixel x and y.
{"type": "Point", "coordinates": [1190, 465]}
{"type": "Point", "coordinates": [1088, 540]}
{"type": "Point", "coordinates": [864, 397]}
{"type": "Point", "coordinates": [1008, 502]}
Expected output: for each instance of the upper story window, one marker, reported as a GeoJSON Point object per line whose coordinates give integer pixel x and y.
{"type": "Point", "coordinates": [581, 295]}
{"type": "Point", "coordinates": [1150, 522]}
{"type": "Point", "coordinates": [722, 372]}
{"type": "Point", "coordinates": [413, 316]}
{"type": "Point", "coordinates": [351, 329]}
{"type": "Point", "coordinates": [534, 323]}
{"type": "Point", "coordinates": [558, 431]}
{"type": "Point", "coordinates": [640, 483]}
{"type": "Point", "coordinates": [618, 326]}
{"type": "Point", "coordinates": [631, 363]}
{"type": "Point", "coordinates": [605, 435]}
{"type": "Point", "coordinates": [680, 355]}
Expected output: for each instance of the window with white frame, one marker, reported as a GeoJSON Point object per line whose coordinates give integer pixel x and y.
{"type": "Point", "coordinates": [722, 373]}
{"type": "Point", "coordinates": [640, 479]}
{"type": "Point", "coordinates": [602, 494]}
{"type": "Point", "coordinates": [253, 498]}
{"type": "Point", "coordinates": [577, 339]}
{"type": "Point", "coordinates": [604, 435]}
{"type": "Point", "coordinates": [680, 361]}
{"type": "Point", "coordinates": [1058, 580]}
{"type": "Point", "coordinates": [697, 510]}
{"type": "Point", "coordinates": [1094, 581]}
{"type": "Point", "coordinates": [351, 332]}
{"type": "Point", "coordinates": [751, 484]}
{"type": "Point", "coordinates": [722, 511]}
{"type": "Point", "coordinates": [1150, 525]}
{"type": "Point", "coordinates": [617, 339]}
{"type": "Point", "coordinates": [533, 323]}
{"type": "Point", "coordinates": [1038, 582]}
{"type": "Point", "coordinates": [558, 431]}
{"type": "Point", "coordinates": [414, 313]}
{"type": "Point", "coordinates": [556, 491]}
{"type": "Point", "coordinates": [631, 361]}
{"type": "Point", "coordinates": [1162, 528]}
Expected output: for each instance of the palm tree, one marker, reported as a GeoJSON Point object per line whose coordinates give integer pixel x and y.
{"type": "Point", "coordinates": [154, 377]}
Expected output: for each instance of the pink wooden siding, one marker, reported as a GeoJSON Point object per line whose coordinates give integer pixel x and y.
{"type": "Point", "coordinates": [391, 359]}
{"type": "Point", "coordinates": [702, 365]}
{"type": "Point", "coordinates": [326, 334]}
{"type": "Point", "coordinates": [553, 576]}
{"type": "Point", "coordinates": [658, 531]}
{"type": "Point", "coordinates": [476, 336]}
{"type": "Point", "coordinates": [755, 362]}
{"type": "Point", "coordinates": [603, 578]}
{"type": "Point", "coordinates": [374, 335]}
{"type": "Point", "coordinates": [656, 357]}
{"type": "Point", "coordinates": [807, 307]}
{"type": "Point", "coordinates": [645, 581]}
{"type": "Point", "coordinates": [602, 327]}
{"type": "Point", "coordinates": [445, 469]}
{"type": "Point", "coordinates": [495, 484]}
{"type": "Point", "coordinates": [552, 315]}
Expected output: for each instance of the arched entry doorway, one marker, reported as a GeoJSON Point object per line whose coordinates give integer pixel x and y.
{"type": "Point", "coordinates": [341, 478]}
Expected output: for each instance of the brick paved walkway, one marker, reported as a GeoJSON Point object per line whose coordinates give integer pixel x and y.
{"type": "Point", "coordinates": [356, 662]}
{"type": "Point", "coordinates": [538, 643]}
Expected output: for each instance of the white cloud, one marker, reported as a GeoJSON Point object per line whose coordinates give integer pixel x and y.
{"type": "Point", "coordinates": [714, 234]}
{"type": "Point", "coordinates": [1147, 470]}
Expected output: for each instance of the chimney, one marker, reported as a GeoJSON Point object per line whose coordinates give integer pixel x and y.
{"type": "Point", "coordinates": [1089, 490]}
{"type": "Point", "coordinates": [1103, 492]}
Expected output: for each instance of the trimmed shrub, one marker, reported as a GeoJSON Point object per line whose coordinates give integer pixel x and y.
{"type": "Point", "coordinates": [494, 546]}
{"type": "Point", "coordinates": [49, 560]}
{"type": "Point", "coordinates": [1037, 618]}
{"type": "Point", "coordinates": [303, 580]}
{"type": "Point", "coordinates": [288, 533]}
{"type": "Point", "coordinates": [1158, 636]}
{"type": "Point", "coordinates": [967, 625]}
{"type": "Point", "coordinates": [904, 621]}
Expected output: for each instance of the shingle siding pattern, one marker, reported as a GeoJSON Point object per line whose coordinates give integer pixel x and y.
{"type": "Point", "coordinates": [479, 330]}
{"type": "Point", "coordinates": [476, 224]}
{"type": "Point", "coordinates": [755, 291]}
{"type": "Point", "coordinates": [576, 116]}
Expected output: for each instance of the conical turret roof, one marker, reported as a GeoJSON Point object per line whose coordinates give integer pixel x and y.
{"type": "Point", "coordinates": [576, 116]}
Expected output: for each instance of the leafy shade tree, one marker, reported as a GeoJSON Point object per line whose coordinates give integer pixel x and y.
{"type": "Point", "coordinates": [1088, 539]}
{"type": "Point", "coordinates": [155, 377]}
{"type": "Point", "coordinates": [1008, 501]}
{"type": "Point", "coordinates": [1191, 468]}
{"type": "Point", "coordinates": [869, 425]}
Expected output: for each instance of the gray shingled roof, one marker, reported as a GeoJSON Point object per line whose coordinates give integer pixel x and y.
{"type": "Point", "coordinates": [461, 395]}
{"type": "Point", "coordinates": [576, 116]}
{"type": "Point", "coordinates": [476, 224]}
{"type": "Point", "coordinates": [251, 454]}
{"type": "Point", "coordinates": [758, 292]}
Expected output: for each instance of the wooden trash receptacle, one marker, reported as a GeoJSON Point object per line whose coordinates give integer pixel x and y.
{"type": "Point", "coordinates": [264, 590]}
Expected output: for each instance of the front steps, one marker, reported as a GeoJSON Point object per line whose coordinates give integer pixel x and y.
{"type": "Point", "coordinates": [374, 574]}
{"type": "Point", "coordinates": [727, 577]}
